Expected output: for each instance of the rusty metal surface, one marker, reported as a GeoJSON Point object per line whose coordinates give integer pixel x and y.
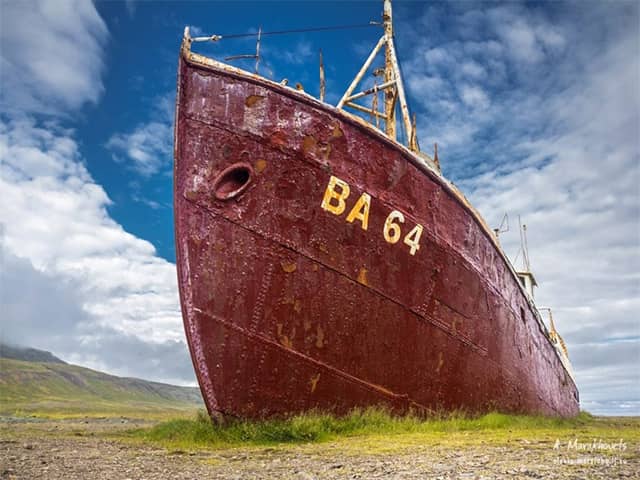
{"type": "Point", "coordinates": [290, 306]}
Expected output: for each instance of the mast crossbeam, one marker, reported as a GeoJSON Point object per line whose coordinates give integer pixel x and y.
{"type": "Point", "coordinates": [393, 89]}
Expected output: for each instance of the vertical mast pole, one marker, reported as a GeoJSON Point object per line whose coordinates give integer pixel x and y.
{"type": "Point", "coordinates": [322, 82]}
{"type": "Point", "coordinates": [526, 248]}
{"type": "Point", "coordinates": [258, 48]}
{"type": "Point", "coordinates": [389, 73]}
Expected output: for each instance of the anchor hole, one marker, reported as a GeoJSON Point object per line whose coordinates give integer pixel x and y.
{"type": "Point", "coordinates": [232, 181]}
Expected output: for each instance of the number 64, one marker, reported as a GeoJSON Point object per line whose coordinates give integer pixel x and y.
{"type": "Point", "coordinates": [392, 232]}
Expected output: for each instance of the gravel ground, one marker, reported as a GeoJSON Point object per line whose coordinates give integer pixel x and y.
{"type": "Point", "coordinates": [83, 450]}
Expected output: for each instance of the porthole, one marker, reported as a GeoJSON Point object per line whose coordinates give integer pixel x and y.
{"type": "Point", "coordinates": [232, 181]}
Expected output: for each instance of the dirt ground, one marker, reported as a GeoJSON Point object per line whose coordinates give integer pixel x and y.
{"type": "Point", "coordinates": [87, 449]}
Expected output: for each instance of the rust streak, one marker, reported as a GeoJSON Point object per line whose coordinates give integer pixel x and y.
{"type": "Point", "coordinates": [362, 276]}
{"type": "Point", "coordinates": [440, 362]}
{"type": "Point", "coordinates": [319, 337]}
{"type": "Point", "coordinates": [286, 341]}
{"type": "Point", "coordinates": [314, 382]}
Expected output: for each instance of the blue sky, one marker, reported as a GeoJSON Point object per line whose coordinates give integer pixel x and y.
{"type": "Point", "coordinates": [535, 107]}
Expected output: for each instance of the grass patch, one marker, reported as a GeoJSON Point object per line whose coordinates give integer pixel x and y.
{"type": "Point", "coordinates": [200, 432]}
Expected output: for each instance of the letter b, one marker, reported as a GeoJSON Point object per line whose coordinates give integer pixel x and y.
{"type": "Point", "coordinates": [331, 194]}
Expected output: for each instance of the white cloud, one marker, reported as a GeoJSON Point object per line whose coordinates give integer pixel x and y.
{"type": "Point", "coordinates": [148, 147]}
{"type": "Point", "coordinates": [520, 39]}
{"type": "Point", "coordinates": [550, 37]}
{"type": "Point", "coordinates": [73, 280]}
{"type": "Point", "coordinates": [51, 55]}
{"type": "Point", "coordinates": [489, 48]}
{"type": "Point", "coordinates": [437, 56]}
{"type": "Point", "coordinates": [433, 86]}
{"type": "Point", "coordinates": [44, 309]}
{"type": "Point", "coordinates": [58, 221]}
{"type": "Point", "coordinates": [300, 53]}
{"type": "Point", "coordinates": [473, 69]}
{"type": "Point", "coordinates": [474, 97]}
{"type": "Point", "coordinates": [527, 38]}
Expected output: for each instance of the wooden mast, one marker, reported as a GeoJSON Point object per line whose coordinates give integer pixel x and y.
{"type": "Point", "coordinates": [392, 87]}
{"type": "Point", "coordinates": [389, 73]}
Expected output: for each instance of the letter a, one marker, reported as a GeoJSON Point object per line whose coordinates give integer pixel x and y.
{"type": "Point", "coordinates": [360, 211]}
{"type": "Point", "coordinates": [330, 193]}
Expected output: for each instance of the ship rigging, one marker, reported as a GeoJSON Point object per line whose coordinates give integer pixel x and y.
{"type": "Point", "coordinates": [392, 87]}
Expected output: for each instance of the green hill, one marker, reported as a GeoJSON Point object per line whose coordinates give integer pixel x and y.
{"type": "Point", "coordinates": [27, 354]}
{"type": "Point", "coordinates": [52, 388]}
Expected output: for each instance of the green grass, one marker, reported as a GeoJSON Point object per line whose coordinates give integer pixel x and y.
{"type": "Point", "coordinates": [374, 426]}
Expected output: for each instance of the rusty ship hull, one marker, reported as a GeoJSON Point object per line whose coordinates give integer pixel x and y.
{"type": "Point", "coordinates": [290, 304]}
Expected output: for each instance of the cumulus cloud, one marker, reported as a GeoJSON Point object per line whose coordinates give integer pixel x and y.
{"type": "Point", "coordinates": [473, 69]}
{"type": "Point", "coordinates": [51, 56]}
{"type": "Point", "coordinates": [474, 97]}
{"type": "Point", "coordinates": [148, 148]}
{"type": "Point", "coordinates": [47, 309]}
{"type": "Point", "coordinates": [73, 280]}
{"type": "Point", "coordinates": [557, 144]}
{"type": "Point", "coordinates": [56, 311]}
{"type": "Point", "coordinates": [58, 221]}
{"type": "Point", "coordinates": [520, 37]}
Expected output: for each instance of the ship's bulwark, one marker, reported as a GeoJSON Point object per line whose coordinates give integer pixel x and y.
{"type": "Point", "coordinates": [289, 306]}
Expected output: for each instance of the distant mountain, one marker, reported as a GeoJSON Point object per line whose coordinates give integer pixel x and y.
{"type": "Point", "coordinates": [27, 354]}
{"type": "Point", "coordinates": [49, 385]}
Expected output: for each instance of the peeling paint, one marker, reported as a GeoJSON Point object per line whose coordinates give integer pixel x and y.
{"type": "Point", "coordinates": [309, 144]}
{"type": "Point", "coordinates": [288, 266]}
{"type": "Point", "coordinates": [362, 276]}
{"type": "Point", "coordinates": [319, 337]}
{"type": "Point", "coordinates": [261, 164]}
{"type": "Point", "coordinates": [253, 99]}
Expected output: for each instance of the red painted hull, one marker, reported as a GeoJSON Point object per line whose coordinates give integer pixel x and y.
{"type": "Point", "coordinates": [288, 307]}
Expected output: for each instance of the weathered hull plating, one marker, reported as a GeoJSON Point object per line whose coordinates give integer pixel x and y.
{"type": "Point", "coordinates": [289, 307]}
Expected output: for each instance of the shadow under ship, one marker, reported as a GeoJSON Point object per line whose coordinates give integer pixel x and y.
{"type": "Point", "coordinates": [324, 265]}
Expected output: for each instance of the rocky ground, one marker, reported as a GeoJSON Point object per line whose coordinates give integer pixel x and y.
{"type": "Point", "coordinates": [92, 449]}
